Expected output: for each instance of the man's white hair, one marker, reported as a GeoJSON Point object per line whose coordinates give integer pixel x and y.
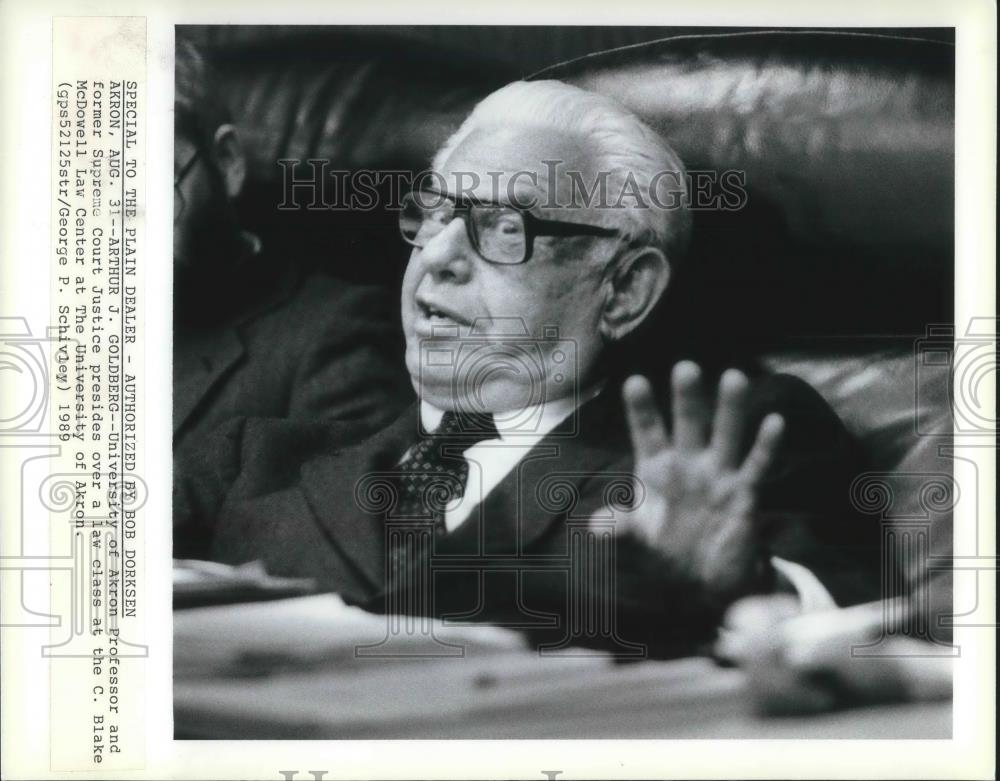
{"type": "Point", "coordinates": [644, 174]}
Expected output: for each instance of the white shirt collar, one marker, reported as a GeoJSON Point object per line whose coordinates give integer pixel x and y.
{"type": "Point", "coordinates": [532, 422]}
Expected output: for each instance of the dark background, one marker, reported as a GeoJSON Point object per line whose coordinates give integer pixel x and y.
{"type": "Point", "coordinates": [845, 246]}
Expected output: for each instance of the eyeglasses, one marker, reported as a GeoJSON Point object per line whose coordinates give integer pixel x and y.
{"type": "Point", "coordinates": [500, 233]}
{"type": "Point", "coordinates": [186, 169]}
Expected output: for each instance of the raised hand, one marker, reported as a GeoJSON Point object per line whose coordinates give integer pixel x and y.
{"type": "Point", "coordinates": [699, 493]}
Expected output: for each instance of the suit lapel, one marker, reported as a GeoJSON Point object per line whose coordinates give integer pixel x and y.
{"type": "Point", "coordinates": [200, 368]}
{"type": "Point", "coordinates": [350, 495]}
{"type": "Point", "coordinates": [551, 484]}
{"type": "Point", "coordinates": [345, 490]}
{"type": "Point", "coordinates": [214, 352]}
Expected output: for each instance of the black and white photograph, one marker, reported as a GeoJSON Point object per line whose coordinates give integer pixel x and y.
{"type": "Point", "coordinates": [563, 382]}
{"type": "Point", "coordinates": [531, 390]}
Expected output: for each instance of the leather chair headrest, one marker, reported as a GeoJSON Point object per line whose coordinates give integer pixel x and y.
{"type": "Point", "coordinates": [850, 136]}
{"type": "Point", "coordinates": [847, 144]}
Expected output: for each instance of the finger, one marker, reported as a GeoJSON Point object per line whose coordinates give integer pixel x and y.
{"type": "Point", "coordinates": [764, 450]}
{"type": "Point", "coordinates": [645, 424]}
{"type": "Point", "coordinates": [690, 408]}
{"type": "Point", "coordinates": [730, 417]}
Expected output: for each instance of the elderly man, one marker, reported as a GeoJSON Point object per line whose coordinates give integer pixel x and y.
{"type": "Point", "coordinates": [521, 489]}
{"type": "Point", "coordinates": [253, 334]}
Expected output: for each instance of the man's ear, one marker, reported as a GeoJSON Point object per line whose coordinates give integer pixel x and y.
{"type": "Point", "coordinates": [635, 284]}
{"type": "Point", "coordinates": [230, 159]}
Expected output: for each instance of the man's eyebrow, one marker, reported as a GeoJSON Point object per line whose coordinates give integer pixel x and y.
{"type": "Point", "coordinates": [474, 199]}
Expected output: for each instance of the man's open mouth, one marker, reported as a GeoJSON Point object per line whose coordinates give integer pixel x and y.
{"type": "Point", "coordinates": [435, 314]}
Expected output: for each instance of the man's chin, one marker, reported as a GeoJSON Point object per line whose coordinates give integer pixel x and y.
{"type": "Point", "coordinates": [490, 398]}
{"type": "Point", "coordinates": [439, 394]}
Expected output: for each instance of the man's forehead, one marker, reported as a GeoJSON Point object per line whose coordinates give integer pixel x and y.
{"type": "Point", "coordinates": [519, 154]}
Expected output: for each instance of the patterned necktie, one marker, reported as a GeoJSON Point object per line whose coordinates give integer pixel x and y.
{"type": "Point", "coordinates": [432, 478]}
{"type": "Point", "coordinates": [435, 474]}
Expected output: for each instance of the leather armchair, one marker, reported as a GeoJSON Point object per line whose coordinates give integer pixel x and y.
{"type": "Point", "coordinates": [841, 263]}
{"type": "Point", "coordinates": [834, 269]}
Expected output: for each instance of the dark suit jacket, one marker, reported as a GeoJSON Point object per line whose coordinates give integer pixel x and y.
{"type": "Point", "coordinates": [288, 345]}
{"type": "Point", "coordinates": [292, 497]}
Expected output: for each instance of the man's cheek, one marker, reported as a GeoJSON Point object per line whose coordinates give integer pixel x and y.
{"type": "Point", "coordinates": [408, 315]}
{"type": "Point", "coordinates": [410, 275]}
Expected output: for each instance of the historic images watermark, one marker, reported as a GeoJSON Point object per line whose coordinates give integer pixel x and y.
{"type": "Point", "coordinates": [314, 185]}
{"type": "Point", "coordinates": [917, 509]}
{"type": "Point", "coordinates": [72, 418]}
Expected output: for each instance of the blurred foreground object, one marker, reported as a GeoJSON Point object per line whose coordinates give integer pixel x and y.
{"type": "Point", "coordinates": [819, 661]}
{"type": "Point", "coordinates": [198, 583]}
{"type": "Point", "coordinates": [314, 667]}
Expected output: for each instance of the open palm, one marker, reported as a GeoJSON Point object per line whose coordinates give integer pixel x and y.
{"type": "Point", "coordinates": [698, 492]}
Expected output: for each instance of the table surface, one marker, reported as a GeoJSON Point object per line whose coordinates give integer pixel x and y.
{"type": "Point", "coordinates": [314, 668]}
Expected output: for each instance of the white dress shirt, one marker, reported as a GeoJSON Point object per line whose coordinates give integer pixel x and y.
{"type": "Point", "coordinates": [491, 460]}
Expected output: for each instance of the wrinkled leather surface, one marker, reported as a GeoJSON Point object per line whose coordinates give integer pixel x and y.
{"type": "Point", "coordinates": [850, 137]}
{"type": "Point", "coordinates": [847, 142]}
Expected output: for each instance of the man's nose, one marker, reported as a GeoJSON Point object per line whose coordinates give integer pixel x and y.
{"type": "Point", "coordinates": [448, 256]}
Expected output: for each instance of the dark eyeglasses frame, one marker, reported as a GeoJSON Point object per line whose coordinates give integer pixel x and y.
{"type": "Point", "coordinates": [533, 224]}
{"type": "Point", "coordinates": [179, 180]}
